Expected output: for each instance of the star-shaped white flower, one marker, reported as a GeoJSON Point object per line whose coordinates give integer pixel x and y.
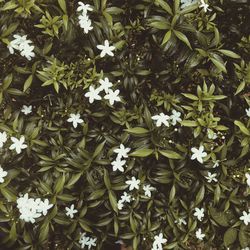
{"type": "Point", "coordinates": [126, 197]}
{"type": "Point", "coordinates": [199, 213]}
{"type": "Point", "coordinates": [27, 52]}
{"type": "Point", "coordinates": [26, 109]}
{"type": "Point", "coordinates": [245, 217]}
{"type": "Point", "coordinates": [91, 242]}
{"type": "Point", "coordinates": [175, 117]}
{"type": "Point", "coordinates": [122, 151]}
{"type": "Point", "coordinates": [2, 174]}
{"type": "Point", "coordinates": [93, 94]}
{"type": "Point", "coordinates": [198, 154]}
{"type": "Point", "coordinates": [105, 85]}
{"type": "Point", "coordinates": [44, 206]}
{"type": "Point", "coordinates": [85, 23]}
{"type": "Point", "coordinates": [161, 119]}
{"type": "Point", "coordinates": [216, 164]}
{"type": "Point", "coordinates": [147, 189]}
{"type": "Point", "coordinates": [133, 183]}
{"type": "Point", "coordinates": [106, 49]}
{"type": "Point", "coordinates": [204, 6]}
{"type": "Point", "coordinates": [75, 119]}
{"type": "Point", "coordinates": [248, 112]}
{"type": "Point", "coordinates": [120, 205]}
{"type": "Point", "coordinates": [71, 211]}
{"type": "Point", "coordinates": [118, 164]}
{"type": "Point", "coordinates": [211, 177]}
{"type": "Point", "coordinates": [181, 221]}
{"type": "Point", "coordinates": [199, 234]}
{"type": "Point", "coordinates": [158, 241]}
{"type": "Point", "coordinates": [248, 179]}
{"type": "Point", "coordinates": [112, 96]}
{"type": "Point", "coordinates": [83, 240]}
{"type": "Point", "coordinates": [18, 145]}
{"type": "Point", "coordinates": [84, 7]}
{"type": "Point", "coordinates": [3, 138]}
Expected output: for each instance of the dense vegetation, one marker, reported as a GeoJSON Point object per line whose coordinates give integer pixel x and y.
{"type": "Point", "coordinates": [146, 97]}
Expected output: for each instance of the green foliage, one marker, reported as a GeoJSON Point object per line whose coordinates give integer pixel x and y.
{"type": "Point", "coordinates": [166, 58]}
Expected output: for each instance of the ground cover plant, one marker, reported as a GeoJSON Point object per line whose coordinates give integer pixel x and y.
{"type": "Point", "coordinates": [124, 122]}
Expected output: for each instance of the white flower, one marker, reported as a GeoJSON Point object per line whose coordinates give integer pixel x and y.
{"type": "Point", "coordinates": [3, 138]}
{"type": "Point", "coordinates": [211, 177]}
{"type": "Point", "coordinates": [246, 248]}
{"type": "Point", "coordinates": [125, 197]}
{"type": "Point", "coordinates": [26, 109]}
{"type": "Point", "coordinates": [83, 240]}
{"type": "Point", "coordinates": [181, 221]}
{"type": "Point", "coordinates": [133, 183]}
{"type": "Point", "coordinates": [105, 84]}
{"type": "Point", "coordinates": [44, 206]}
{"type": "Point", "coordinates": [198, 154]}
{"type": "Point", "coordinates": [112, 96]}
{"type": "Point", "coordinates": [175, 117]}
{"type": "Point", "coordinates": [122, 151]}
{"type": "Point", "coordinates": [248, 179]}
{"type": "Point", "coordinates": [147, 189]}
{"type": "Point", "coordinates": [84, 7]}
{"type": "Point", "coordinates": [18, 145]}
{"type": "Point", "coordinates": [186, 3]}
{"type": "Point", "coordinates": [199, 213]}
{"type": "Point", "coordinates": [211, 134]}
{"type": "Point", "coordinates": [216, 164]}
{"type": "Point", "coordinates": [245, 217]}
{"type": "Point", "coordinates": [118, 164]}
{"type": "Point", "coordinates": [204, 6]}
{"type": "Point", "coordinates": [106, 49]}
{"type": "Point", "coordinates": [158, 241]}
{"type": "Point", "coordinates": [71, 211]}
{"type": "Point", "coordinates": [199, 234]}
{"type": "Point", "coordinates": [85, 24]}
{"type": "Point", "coordinates": [93, 94]}
{"type": "Point", "coordinates": [27, 52]}
{"type": "Point", "coordinates": [248, 112]}
{"type": "Point", "coordinates": [75, 119]}
{"type": "Point", "coordinates": [2, 174]}
{"type": "Point", "coordinates": [91, 242]}
{"type": "Point", "coordinates": [161, 119]}
{"type": "Point", "coordinates": [120, 205]}
{"type": "Point", "coordinates": [30, 208]}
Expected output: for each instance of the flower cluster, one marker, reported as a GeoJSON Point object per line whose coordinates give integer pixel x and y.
{"type": "Point", "coordinates": [2, 174]}
{"type": "Point", "coordinates": [84, 21]}
{"type": "Point", "coordinates": [21, 44]}
{"type": "Point", "coordinates": [158, 242]}
{"type": "Point", "coordinates": [199, 214]}
{"type": "Point", "coordinates": [166, 119]}
{"type": "Point", "coordinates": [105, 85]}
{"type": "Point", "coordinates": [17, 144]}
{"type": "Point", "coordinates": [134, 184]}
{"type": "Point", "coordinates": [31, 208]}
{"type": "Point", "coordinates": [87, 241]}
{"type": "Point", "coordinates": [118, 163]}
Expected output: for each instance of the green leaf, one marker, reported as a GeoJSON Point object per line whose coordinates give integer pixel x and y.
{"type": "Point", "coordinates": [166, 37]}
{"type": "Point", "coordinates": [219, 217]}
{"type": "Point", "coordinates": [219, 65]}
{"type": "Point", "coordinates": [188, 123]}
{"type": "Point", "coordinates": [170, 154]}
{"type": "Point", "coordinates": [59, 184]}
{"type": "Point", "coordinates": [240, 87]}
{"type": "Point", "coordinates": [229, 53]}
{"type": "Point", "coordinates": [165, 6]}
{"type": "Point", "coordinates": [27, 83]}
{"type": "Point", "coordinates": [113, 200]}
{"type": "Point", "coordinates": [242, 127]}
{"type": "Point", "coordinates": [183, 38]}
{"type": "Point", "coordinates": [137, 130]}
{"type": "Point", "coordinates": [142, 152]}
{"type": "Point", "coordinates": [63, 6]}
{"type": "Point", "coordinates": [191, 96]}
{"type": "Point", "coordinates": [230, 236]}
{"type": "Point", "coordinates": [200, 195]}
